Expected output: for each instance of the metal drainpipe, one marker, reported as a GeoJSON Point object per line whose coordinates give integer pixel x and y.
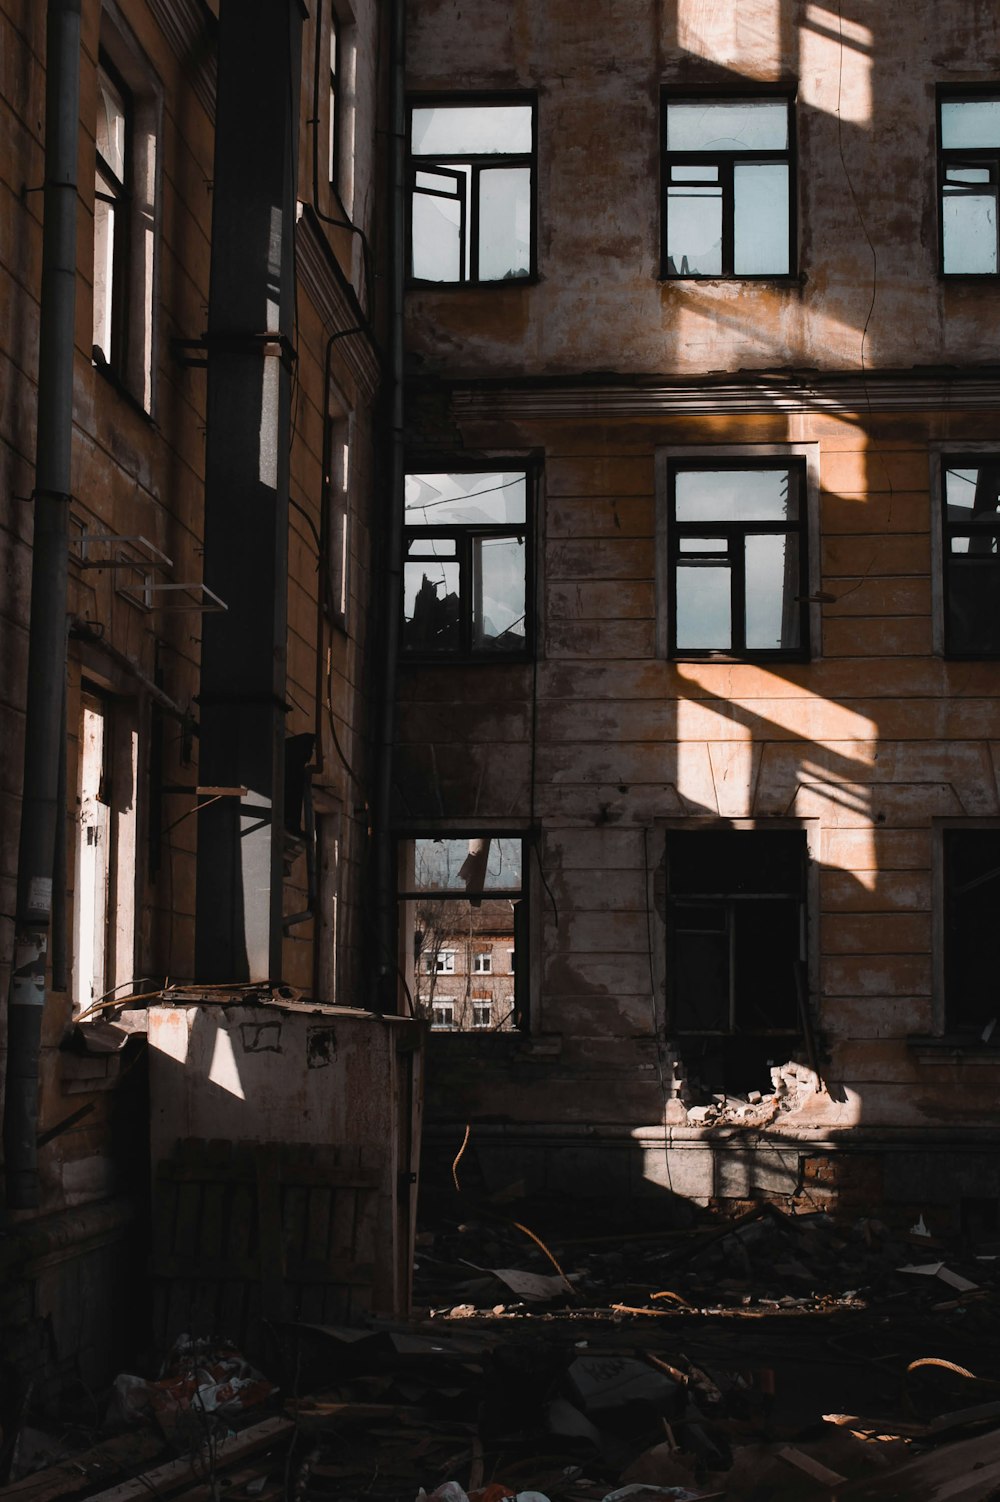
{"type": "Point", "coordinates": [40, 812]}
{"type": "Point", "coordinates": [386, 988]}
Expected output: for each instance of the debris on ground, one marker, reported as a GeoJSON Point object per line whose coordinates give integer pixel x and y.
{"type": "Point", "coordinates": [771, 1355]}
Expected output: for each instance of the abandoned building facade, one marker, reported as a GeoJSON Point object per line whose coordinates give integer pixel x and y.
{"type": "Point", "coordinates": [529, 526]}
{"type": "Point", "coordinates": [700, 585]}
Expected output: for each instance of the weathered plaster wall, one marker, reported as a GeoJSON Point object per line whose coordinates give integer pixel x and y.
{"type": "Point", "coordinates": [865, 77]}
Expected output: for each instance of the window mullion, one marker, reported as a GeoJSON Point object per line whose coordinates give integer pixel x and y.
{"type": "Point", "coordinates": [474, 224]}
{"type": "Point", "coordinates": [728, 216]}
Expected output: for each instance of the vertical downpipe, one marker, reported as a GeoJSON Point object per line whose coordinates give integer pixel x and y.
{"type": "Point", "coordinates": [386, 985]}
{"type": "Point", "coordinates": [41, 814]}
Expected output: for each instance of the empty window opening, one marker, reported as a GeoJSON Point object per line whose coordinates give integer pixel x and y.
{"type": "Point", "coordinates": [729, 205]}
{"type": "Point", "coordinates": [968, 169]}
{"type": "Point", "coordinates": [971, 522]}
{"type": "Point", "coordinates": [738, 558]}
{"type": "Point", "coordinates": [472, 192]}
{"type": "Point", "coordinates": [462, 901]}
{"type": "Point", "coordinates": [104, 895]}
{"type": "Point", "coordinates": [736, 949]}
{"type": "Point", "coordinates": [971, 933]}
{"type": "Point", "coordinates": [465, 578]}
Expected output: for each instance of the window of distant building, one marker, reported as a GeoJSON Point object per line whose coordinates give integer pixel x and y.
{"type": "Point", "coordinates": [736, 539]}
{"type": "Point", "coordinates": [729, 202]}
{"type": "Point", "coordinates": [736, 951]}
{"type": "Point", "coordinates": [472, 176]}
{"type": "Point", "coordinates": [971, 934]}
{"type": "Point", "coordinates": [443, 1017]}
{"type": "Point", "coordinates": [970, 491]}
{"type": "Point", "coordinates": [968, 170]}
{"type": "Point", "coordinates": [125, 177]}
{"type": "Point", "coordinates": [460, 896]}
{"type": "Point", "coordinates": [465, 576]}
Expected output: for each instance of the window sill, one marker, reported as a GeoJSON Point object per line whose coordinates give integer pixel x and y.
{"type": "Point", "coordinates": [954, 1048]}
{"type": "Point", "coordinates": [413, 285]}
{"type": "Point", "coordinates": [105, 371]}
{"type": "Point", "coordinates": [767, 279]}
{"type": "Point", "coordinates": [730, 657]}
{"type": "Point", "coordinates": [500, 659]}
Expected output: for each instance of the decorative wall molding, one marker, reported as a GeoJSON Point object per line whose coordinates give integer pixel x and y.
{"type": "Point", "coordinates": [838, 394]}
{"type": "Point", "coordinates": [335, 302]}
{"type": "Point", "coordinates": [186, 26]}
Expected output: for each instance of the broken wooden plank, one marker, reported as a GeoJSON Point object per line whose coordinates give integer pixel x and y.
{"type": "Point", "coordinates": [78, 1473]}
{"type": "Point", "coordinates": [174, 1473]}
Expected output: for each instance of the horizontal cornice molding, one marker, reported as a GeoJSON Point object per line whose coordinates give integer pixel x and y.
{"type": "Point", "coordinates": [185, 24]}
{"type": "Point", "coordinates": [838, 393]}
{"type": "Point", "coordinates": [334, 300]}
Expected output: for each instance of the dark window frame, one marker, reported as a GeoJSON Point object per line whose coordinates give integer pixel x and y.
{"type": "Point", "coordinates": [960, 459]}
{"type": "Point", "coordinates": [723, 900]}
{"type": "Point", "coordinates": [120, 199]}
{"type": "Point", "coordinates": [726, 161]}
{"type": "Point", "coordinates": [955, 1019]}
{"type": "Point", "coordinates": [960, 156]}
{"type": "Point", "coordinates": [519, 897]}
{"type": "Point", "coordinates": [465, 534]}
{"type": "Point", "coordinates": [469, 222]}
{"type": "Point", "coordinates": [736, 532]}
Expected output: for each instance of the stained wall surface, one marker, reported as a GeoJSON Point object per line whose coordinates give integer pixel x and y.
{"type": "Point", "coordinates": [601, 747]}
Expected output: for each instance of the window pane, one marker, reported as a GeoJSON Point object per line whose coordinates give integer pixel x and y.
{"type": "Point", "coordinates": [700, 994]}
{"type": "Point", "coordinates": [479, 864]}
{"type": "Point", "coordinates": [972, 494]}
{"type": "Point", "coordinates": [974, 545]}
{"type": "Point", "coordinates": [734, 495]}
{"type": "Point", "coordinates": [968, 174]}
{"type": "Point", "coordinates": [703, 604]}
{"type": "Point", "coordinates": [973, 586]}
{"type": "Point", "coordinates": [772, 583]}
{"type": "Point", "coordinates": [431, 608]}
{"type": "Point", "coordinates": [970, 122]}
{"type": "Point", "coordinates": [972, 936]}
{"type": "Point", "coordinates": [702, 545]}
{"type": "Point", "coordinates": [760, 218]}
{"type": "Point", "coordinates": [485, 497]}
{"type": "Point", "coordinates": [504, 223]}
{"type": "Point", "coordinates": [437, 182]}
{"type": "Point", "coordinates": [969, 222]}
{"type": "Point", "coordinates": [497, 593]}
{"type": "Point", "coordinates": [694, 231]}
{"type": "Point", "coordinates": [111, 126]}
{"type": "Point", "coordinates": [104, 270]}
{"type": "Point", "coordinates": [728, 125]}
{"type": "Point", "coordinates": [480, 129]}
{"type": "Point", "coordinates": [703, 172]}
{"type": "Point", "coordinates": [437, 244]}
{"type": "Point", "coordinates": [431, 547]}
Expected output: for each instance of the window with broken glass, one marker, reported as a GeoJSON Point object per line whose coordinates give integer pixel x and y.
{"type": "Point", "coordinates": [971, 574]}
{"type": "Point", "coordinates": [738, 558]}
{"type": "Point", "coordinates": [971, 933]}
{"type": "Point", "coordinates": [729, 203]}
{"type": "Point", "coordinates": [460, 896]}
{"type": "Point", "coordinates": [472, 173]}
{"type": "Point", "coordinates": [968, 169]}
{"type": "Point", "coordinates": [736, 951]}
{"type": "Point", "coordinates": [111, 219]}
{"type": "Point", "coordinates": [465, 575]}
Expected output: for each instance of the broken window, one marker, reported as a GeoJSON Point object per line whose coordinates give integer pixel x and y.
{"type": "Point", "coordinates": [737, 558]}
{"type": "Point", "coordinates": [971, 934]}
{"type": "Point", "coordinates": [968, 167]}
{"type": "Point", "coordinates": [465, 574]}
{"type": "Point", "coordinates": [459, 897]}
{"type": "Point", "coordinates": [104, 889]}
{"type": "Point", "coordinates": [971, 573]}
{"type": "Point", "coordinates": [729, 205]}
{"type": "Point", "coordinates": [125, 174]}
{"type": "Point", "coordinates": [111, 213]}
{"type": "Point", "coordinates": [736, 949]}
{"type": "Point", "coordinates": [472, 191]}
